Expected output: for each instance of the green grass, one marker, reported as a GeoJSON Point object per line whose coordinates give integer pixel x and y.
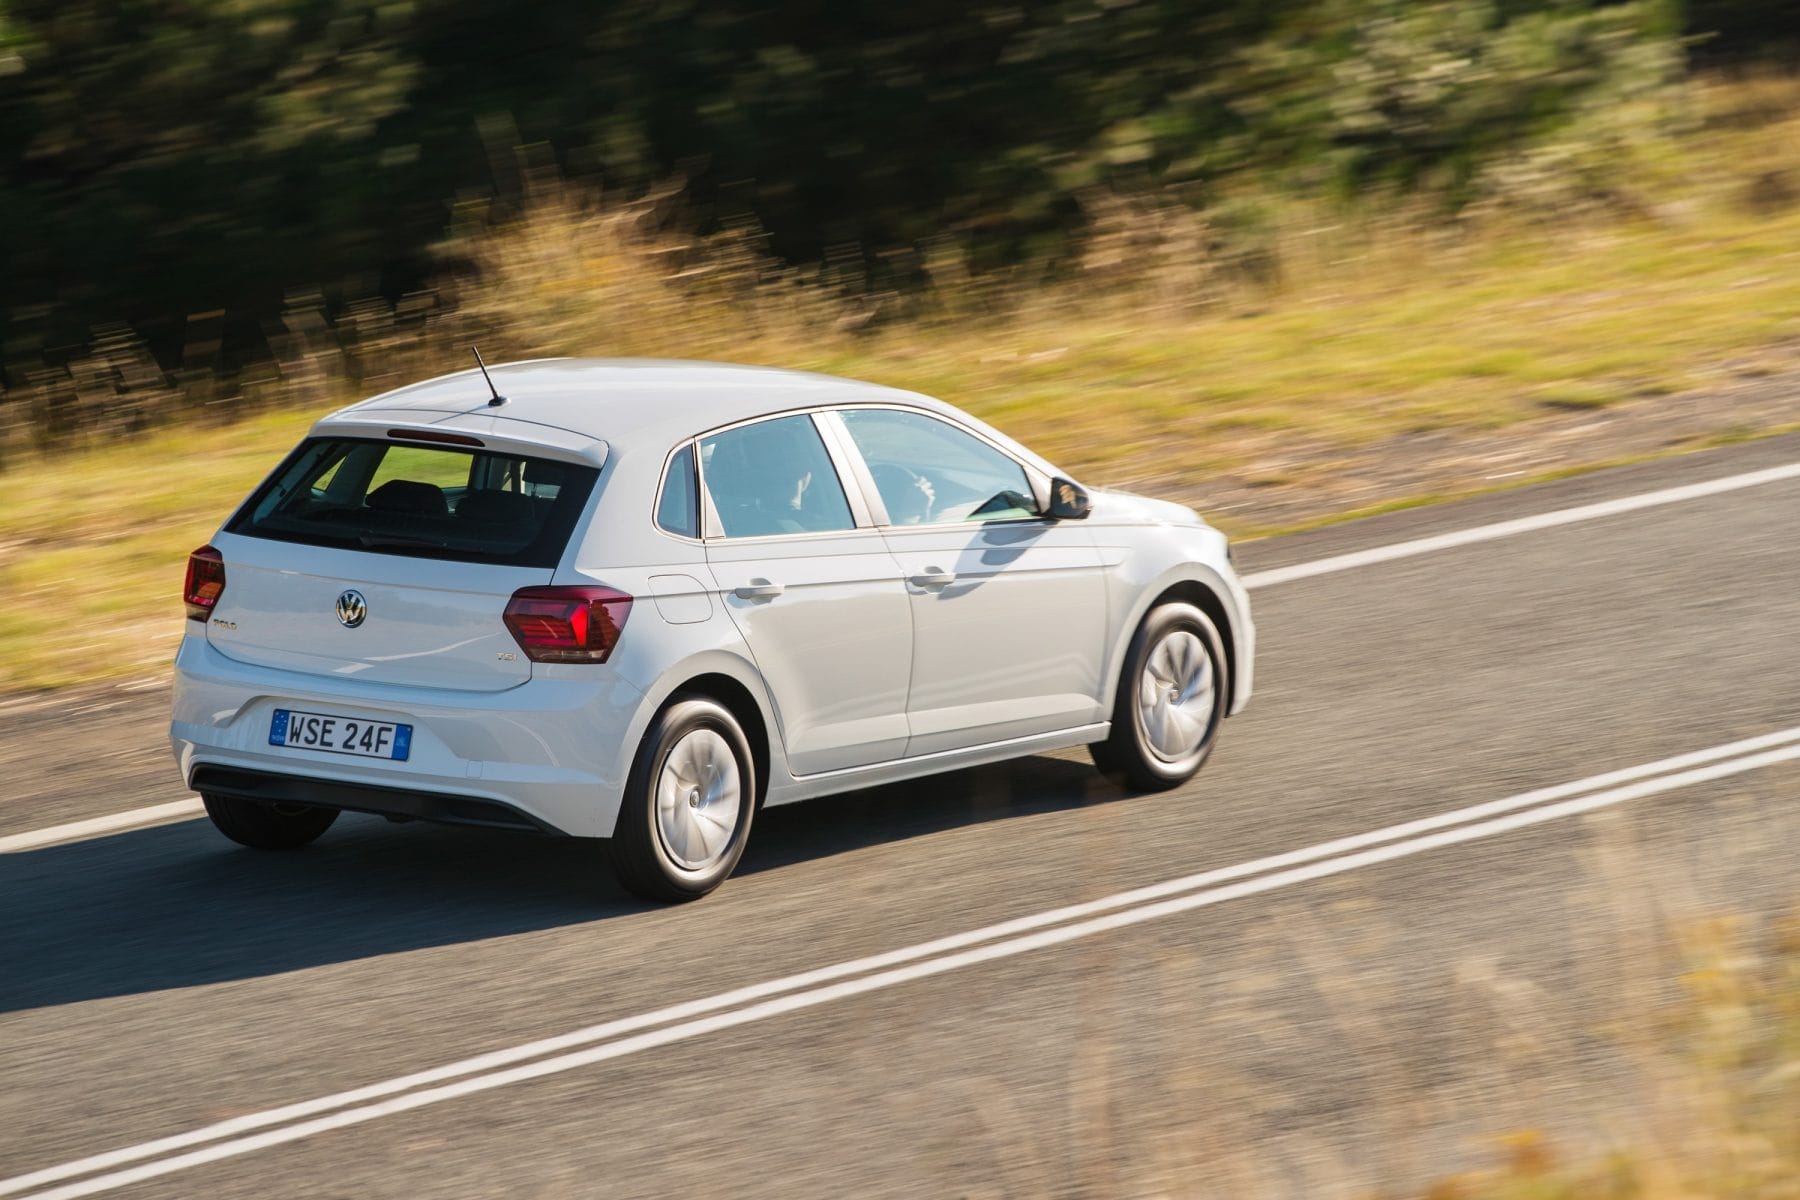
{"type": "Point", "coordinates": [95, 544]}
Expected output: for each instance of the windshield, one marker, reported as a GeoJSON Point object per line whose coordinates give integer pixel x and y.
{"type": "Point", "coordinates": [391, 497]}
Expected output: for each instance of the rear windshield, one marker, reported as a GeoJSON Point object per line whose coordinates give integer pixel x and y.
{"type": "Point", "coordinates": [390, 497]}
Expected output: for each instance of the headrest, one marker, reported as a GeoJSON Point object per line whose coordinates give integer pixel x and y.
{"type": "Point", "coordinates": [491, 505]}
{"type": "Point", "coordinates": [538, 471]}
{"type": "Point", "coordinates": [410, 496]}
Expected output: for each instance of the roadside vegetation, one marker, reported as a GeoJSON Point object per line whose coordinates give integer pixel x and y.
{"type": "Point", "coordinates": [1215, 259]}
{"type": "Point", "coordinates": [1188, 346]}
{"type": "Point", "coordinates": [1660, 1060]}
{"type": "Point", "coordinates": [1717, 1061]}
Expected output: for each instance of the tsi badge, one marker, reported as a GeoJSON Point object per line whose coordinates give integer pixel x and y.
{"type": "Point", "coordinates": [351, 608]}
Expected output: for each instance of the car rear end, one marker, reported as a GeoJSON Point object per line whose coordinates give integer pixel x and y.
{"type": "Point", "coordinates": [377, 629]}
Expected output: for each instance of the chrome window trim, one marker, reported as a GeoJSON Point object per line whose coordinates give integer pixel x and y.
{"type": "Point", "coordinates": [812, 535]}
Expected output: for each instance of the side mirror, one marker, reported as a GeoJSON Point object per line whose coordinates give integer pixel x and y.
{"type": "Point", "coordinates": [1068, 500]}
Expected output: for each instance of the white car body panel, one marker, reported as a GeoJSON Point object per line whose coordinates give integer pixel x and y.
{"type": "Point", "coordinates": [841, 607]}
{"type": "Point", "coordinates": [429, 623]}
{"type": "Point", "coordinates": [1012, 645]}
{"type": "Point", "coordinates": [1149, 547]}
{"type": "Point", "coordinates": [534, 748]}
{"type": "Point", "coordinates": [855, 677]}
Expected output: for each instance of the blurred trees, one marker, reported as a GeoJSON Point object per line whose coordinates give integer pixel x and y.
{"type": "Point", "coordinates": [161, 158]}
{"type": "Point", "coordinates": [166, 158]}
{"type": "Point", "coordinates": [1738, 31]}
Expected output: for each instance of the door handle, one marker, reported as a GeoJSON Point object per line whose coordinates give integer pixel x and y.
{"type": "Point", "coordinates": [933, 577]}
{"type": "Point", "coordinates": [758, 589]}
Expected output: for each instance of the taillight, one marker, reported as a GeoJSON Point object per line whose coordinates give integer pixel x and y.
{"type": "Point", "coordinates": [567, 624]}
{"type": "Point", "coordinates": [205, 582]}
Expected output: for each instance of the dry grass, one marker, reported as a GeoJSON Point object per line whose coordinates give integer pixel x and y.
{"type": "Point", "coordinates": [1186, 347]}
{"type": "Point", "coordinates": [93, 547]}
{"type": "Point", "coordinates": [1300, 320]}
{"type": "Point", "coordinates": [1667, 1068]}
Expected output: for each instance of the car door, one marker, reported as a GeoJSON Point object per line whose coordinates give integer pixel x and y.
{"type": "Point", "coordinates": [814, 592]}
{"type": "Point", "coordinates": [1008, 606]}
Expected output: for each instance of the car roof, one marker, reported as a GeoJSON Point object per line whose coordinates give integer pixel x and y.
{"type": "Point", "coordinates": [624, 401]}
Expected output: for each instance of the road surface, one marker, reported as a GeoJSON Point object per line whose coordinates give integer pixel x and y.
{"type": "Point", "coordinates": [1337, 1020]}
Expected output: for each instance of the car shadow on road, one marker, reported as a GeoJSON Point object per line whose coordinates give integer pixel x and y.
{"type": "Point", "coordinates": [1020, 788]}
{"type": "Point", "coordinates": [178, 906]}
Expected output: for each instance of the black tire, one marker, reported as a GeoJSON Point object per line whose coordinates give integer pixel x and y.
{"type": "Point", "coordinates": [1105, 759]}
{"type": "Point", "coordinates": [1130, 753]}
{"type": "Point", "coordinates": [645, 863]}
{"type": "Point", "coordinates": [267, 826]}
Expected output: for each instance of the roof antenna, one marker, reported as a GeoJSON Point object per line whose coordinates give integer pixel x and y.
{"type": "Point", "coordinates": [498, 399]}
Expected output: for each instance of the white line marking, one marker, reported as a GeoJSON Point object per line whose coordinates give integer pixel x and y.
{"type": "Point", "coordinates": [693, 1008]}
{"type": "Point", "coordinates": [931, 958]}
{"type": "Point", "coordinates": [74, 831]}
{"type": "Point", "coordinates": [160, 813]}
{"type": "Point", "coordinates": [1504, 529]}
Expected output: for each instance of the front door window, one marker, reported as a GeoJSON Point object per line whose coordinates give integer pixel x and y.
{"type": "Point", "coordinates": [930, 473]}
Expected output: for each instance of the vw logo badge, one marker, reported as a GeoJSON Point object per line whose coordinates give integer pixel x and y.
{"type": "Point", "coordinates": [351, 608]}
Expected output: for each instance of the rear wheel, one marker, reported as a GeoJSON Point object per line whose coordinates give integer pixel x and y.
{"type": "Point", "coordinates": [1171, 698]}
{"type": "Point", "coordinates": [686, 814]}
{"type": "Point", "coordinates": [267, 826]}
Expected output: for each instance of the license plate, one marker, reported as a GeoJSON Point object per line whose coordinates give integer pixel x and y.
{"type": "Point", "coordinates": [340, 735]}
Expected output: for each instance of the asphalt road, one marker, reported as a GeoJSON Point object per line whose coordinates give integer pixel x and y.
{"type": "Point", "coordinates": [1353, 1032]}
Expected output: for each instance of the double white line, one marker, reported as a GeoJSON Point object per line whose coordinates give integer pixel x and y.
{"type": "Point", "coordinates": [615, 1039]}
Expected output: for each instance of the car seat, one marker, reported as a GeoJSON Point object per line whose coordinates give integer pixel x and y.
{"type": "Point", "coordinates": [409, 496]}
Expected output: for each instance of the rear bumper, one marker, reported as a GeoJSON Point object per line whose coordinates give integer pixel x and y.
{"type": "Point", "coordinates": [275, 788]}
{"type": "Point", "coordinates": [551, 754]}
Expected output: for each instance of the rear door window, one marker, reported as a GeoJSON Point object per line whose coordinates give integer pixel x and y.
{"type": "Point", "coordinates": [773, 477]}
{"type": "Point", "coordinates": [388, 497]}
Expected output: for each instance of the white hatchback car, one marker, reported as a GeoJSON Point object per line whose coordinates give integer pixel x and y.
{"type": "Point", "coordinates": [636, 600]}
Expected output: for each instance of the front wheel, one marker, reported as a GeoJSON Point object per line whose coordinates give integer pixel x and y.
{"type": "Point", "coordinates": [1171, 698]}
{"type": "Point", "coordinates": [686, 815]}
{"type": "Point", "coordinates": [267, 826]}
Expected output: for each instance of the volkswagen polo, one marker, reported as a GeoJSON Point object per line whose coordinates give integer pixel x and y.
{"type": "Point", "coordinates": [634, 601]}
